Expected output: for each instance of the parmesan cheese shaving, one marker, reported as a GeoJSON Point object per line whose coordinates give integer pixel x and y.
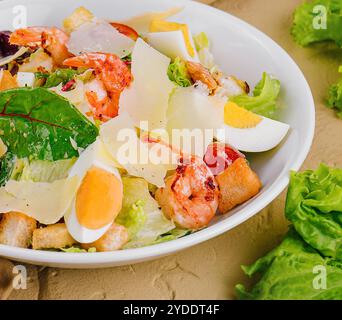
{"type": "Point", "coordinates": [147, 98]}
{"type": "Point", "coordinates": [139, 158]}
{"type": "Point", "coordinates": [42, 201]}
{"type": "Point", "coordinates": [141, 23]}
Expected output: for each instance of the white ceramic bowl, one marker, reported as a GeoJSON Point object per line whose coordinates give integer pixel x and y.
{"type": "Point", "coordinates": [239, 49]}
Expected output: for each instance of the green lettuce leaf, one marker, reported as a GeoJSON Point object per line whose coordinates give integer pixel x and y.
{"type": "Point", "coordinates": [314, 206]}
{"type": "Point", "coordinates": [149, 224]}
{"type": "Point", "coordinates": [178, 73]}
{"type": "Point", "coordinates": [264, 97]}
{"type": "Point", "coordinates": [45, 171]}
{"type": "Point", "coordinates": [288, 273]}
{"type": "Point", "coordinates": [335, 96]}
{"type": "Point", "coordinates": [35, 170]}
{"type": "Point", "coordinates": [7, 163]}
{"type": "Point", "coordinates": [201, 41]}
{"type": "Point", "coordinates": [172, 235]}
{"type": "Point", "coordinates": [303, 29]}
{"type": "Point", "coordinates": [59, 76]}
{"type": "Point", "coordinates": [41, 125]}
{"type": "Point", "coordinates": [133, 218]}
{"type": "Point", "coordinates": [77, 250]}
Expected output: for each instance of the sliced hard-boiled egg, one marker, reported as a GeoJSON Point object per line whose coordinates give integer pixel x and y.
{"type": "Point", "coordinates": [99, 195]}
{"type": "Point", "coordinates": [172, 39]}
{"type": "Point", "coordinates": [249, 132]}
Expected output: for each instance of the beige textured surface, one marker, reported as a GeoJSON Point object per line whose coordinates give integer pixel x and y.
{"type": "Point", "coordinates": [210, 270]}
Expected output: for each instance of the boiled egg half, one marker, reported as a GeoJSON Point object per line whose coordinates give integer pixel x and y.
{"type": "Point", "coordinates": [98, 199]}
{"type": "Point", "coordinates": [249, 132]}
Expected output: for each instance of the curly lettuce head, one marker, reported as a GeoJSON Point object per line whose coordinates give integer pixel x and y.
{"type": "Point", "coordinates": [316, 21]}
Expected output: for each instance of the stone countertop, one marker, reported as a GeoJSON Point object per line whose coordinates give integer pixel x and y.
{"type": "Point", "coordinates": [210, 270]}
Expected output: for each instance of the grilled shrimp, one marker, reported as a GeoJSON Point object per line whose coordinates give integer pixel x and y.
{"type": "Point", "coordinates": [199, 73]}
{"type": "Point", "coordinates": [190, 196]}
{"type": "Point", "coordinates": [112, 76]}
{"type": "Point", "coordinates": [53, 40]}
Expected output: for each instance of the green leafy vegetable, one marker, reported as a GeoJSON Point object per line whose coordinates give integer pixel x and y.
{"type": "Point", "coordinates": [314, 206]}
{"type": "Point", "coordinates": [146, 220]}
{"type": "Point", "coordinates": [288, 272]}
{"type": "Point", "coordinates": [172, 235]}
{"type": "Point", "coordinates": [7, 163]}
{"type": "Point", "coordinates": [310, 18]}
{"type": "Point", "coordinates": [264, 97]}
{"type": "Point", "coordinates": [133, 219]}
{"type": "Point", "coordinates": [41, 125]}
{"type": "Point", "coordinates": [201, 41]}
{"type": "Point", "coordinates": [335, 96]}
{"type": "Point", "coordinates": [45, 171]}
{"type": "Point", "coordinates": [59, 76]}
{"type": "Point", "coordinates": [178, 73]}
{"type": "Point", "coordinates": [78, 250]}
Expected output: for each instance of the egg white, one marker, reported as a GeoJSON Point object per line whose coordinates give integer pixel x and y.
{"type": "Point", "coordinates": [265, 136]}
{"type": "Point", "coordinates": [94, 155]}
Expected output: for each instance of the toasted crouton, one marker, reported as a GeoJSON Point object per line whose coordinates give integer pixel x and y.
{"type": "Point", "coordinates": [238, 183]}
{"type": "Point", "coordinates": [55, 236]}
{"type": "Point", "coordinates": [114, 239]}
{"type": "Point", "coordinates": [16, 229]}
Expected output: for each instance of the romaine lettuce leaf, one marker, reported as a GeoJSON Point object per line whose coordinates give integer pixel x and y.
{"type": "Point", "coordinates": [303, 29]}
{"type": "Point", "coordinates": [40, 125]}
{"type": "Point", "coordinates": [133, 218]}
{"type": "Point", "coordinates": [314, 206]}
{"type": "Point", "coordinates": [172, 235]}
{"type": "Point", "coordinates": [264, 97]}
{"type": "Point", "coordinates": [57, 77]}
{"type": "Point", "coordinates": [335, 96]}
{"type": "Point", "coordinates": [46, 171]}
{"type": "Point", "coordinates": [77, 250]}
{"type": "Point", "coordinates": [288, 272]}
{"type": "Point", "coordinates": [201, 41]}
{"type": "Point", "coordinates": [178, 73]}
{"type": "Point", "coordinates": [35, 170]}
{"type": "Point", "coordinates": [151, 223]}
{"type": "Point", "coordinates": [7, 163]}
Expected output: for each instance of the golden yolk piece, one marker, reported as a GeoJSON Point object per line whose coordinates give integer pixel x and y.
{"type": "Point", "coordinates": [98, 199]}
{"type": "Point", "coordinates": [165, 26]}
{"type": "Point", "coordinates": [238, 117]}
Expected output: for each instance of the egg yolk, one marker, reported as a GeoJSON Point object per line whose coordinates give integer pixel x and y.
{"type": "Point", "coordinates": [238, 117]}
{"type": "Point", "coordinates": [98, 199]}
{"type": "Point", "coordinates": [164, 26]}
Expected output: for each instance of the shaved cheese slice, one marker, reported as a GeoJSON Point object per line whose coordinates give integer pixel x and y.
{"type": "Point", "coordinates": [99, 36]}
{"type": "Point", "coordinates": [142, 23]}
{"type": "Point", "coordinates": [12, 57]}
{"type": "Point", "coordinates": [139, 159]}
{"type": "Point", "coordinates": [171, 44]}
{"type": "Point", "coordinates": [147, 98]}
{"type": "Point", "coordinates": [45, 202]}
{"type": "Point", "coordinates": [193, 118]}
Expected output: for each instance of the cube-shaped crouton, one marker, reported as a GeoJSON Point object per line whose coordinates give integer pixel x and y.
{"type": "Point", "coordinates": [55, 236]}
{"type": "Point", "coordinates": [114, 239]}
{"type": "Point", "coordinates": [16, 229]}
{"type": "Point", "coordinates": [238, 183]}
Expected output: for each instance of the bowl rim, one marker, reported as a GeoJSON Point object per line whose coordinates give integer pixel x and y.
{"type": "Point", "coordinates": [130, 256]}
